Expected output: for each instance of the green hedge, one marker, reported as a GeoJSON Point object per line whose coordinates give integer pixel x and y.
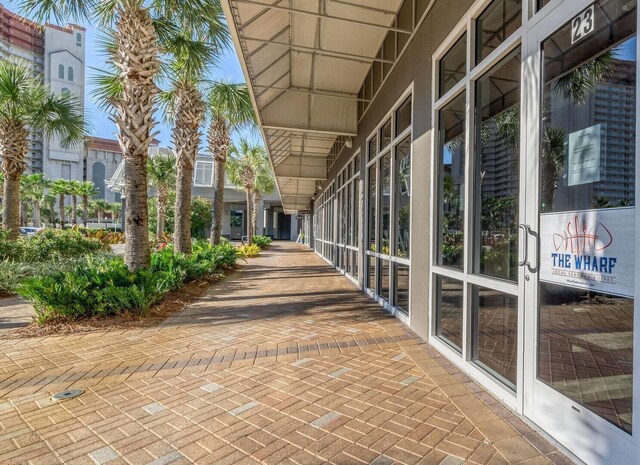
{"type": "Point", "coordinates": [48, 245]}
{"type": "Point", "coordinates": [103, 286]}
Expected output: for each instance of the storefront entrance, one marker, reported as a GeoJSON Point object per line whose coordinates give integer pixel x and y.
{"type": "Point", "coordinates": [580, 272]}
{"type": "Point", "coordinates": [534, 187]}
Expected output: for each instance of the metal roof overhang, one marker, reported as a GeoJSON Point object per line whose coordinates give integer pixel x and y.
{"type": "Point", "coordinates": [304, 62]}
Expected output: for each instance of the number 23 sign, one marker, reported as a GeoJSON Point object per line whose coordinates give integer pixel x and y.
{"type": "Point", "coordinates": [583, 24]}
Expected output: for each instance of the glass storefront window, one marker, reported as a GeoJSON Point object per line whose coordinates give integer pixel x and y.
{"type": "Point", "coordinates": [372, 207]}
{"type": "Point", "coordinates": [401, 286]}
{"type": "Point", "coordinates": [385, 203]}
{"type": "Point", "coordinates": [449, 310]}
{"type": "Point", "coordinates": [497, 22]}
{"type": "Point", "coordinates": [385, 135]}
{"type": "Point", "coordinates": [373, 148]}
{"type": "Point", "coordinates": [402, 198]}
{"type": "Point", "coordinates": [496, 333]}
{"type": "Point", "coordinates": [496, 169]}
{"type": "Point", "coordinates": [403, 116]}
{"type": "Point", "coordinates": [451, 183]}
{"type": "Point", "coordinates": [453, 66]}
{"type": "Point", "coordinates": [587, 173]}
{"type": "Point", "coordinates": [384, 279]}
{"type": "Point", "coordinates": [371, 273]}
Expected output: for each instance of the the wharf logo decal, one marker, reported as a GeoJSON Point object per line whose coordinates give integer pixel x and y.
{"type": "Point", "coordinates": [583, 244]}
{"type": "Point", "coordinates": [591, 249]}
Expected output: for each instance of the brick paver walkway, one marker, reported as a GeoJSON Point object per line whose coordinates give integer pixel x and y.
{"type": "Point", "coordinates": [285, 362]}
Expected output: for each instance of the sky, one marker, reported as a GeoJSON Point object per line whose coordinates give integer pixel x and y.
{"type": "Point", "coordinates": [98, 122]}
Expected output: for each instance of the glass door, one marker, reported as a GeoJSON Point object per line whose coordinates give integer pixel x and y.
{"type": "Point", "coordinates": [581, 227]}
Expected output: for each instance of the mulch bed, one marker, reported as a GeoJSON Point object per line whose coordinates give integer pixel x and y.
{"type": "Point", "coordinates": [170, 304]}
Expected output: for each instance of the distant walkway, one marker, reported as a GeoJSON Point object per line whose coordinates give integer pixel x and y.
{"type": "Point", "coordinates": [286, 362]}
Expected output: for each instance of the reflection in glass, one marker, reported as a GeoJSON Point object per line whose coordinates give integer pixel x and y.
{"type": "Point", "coordinates": [385, 202]}
{"type": "Point", "coordinates": [372, 207]}
{"type": "Point", "coordinates": [585, 349]}
{"type": "Point", "coordinates": [451, 183]}
{"type": "Point", "coordinates": [402, 197]}
{"type": "Point", "coordinates": [371, 273]}
{"type": "Point", "coordinates": [356, 212]}
{"type": "Point", "coordinates": [373, 147]}
{"type": "Point", "coordinates": [401, 281]}
{"type": "Point", "coordinates": [385, 135]}
{"type": "Point", "coordinates": [585, 340]}
{"type": "Point", "coordinates": [403, 116]}
{"type": "Point", "coordinates": [496, 334]}
{"type": "Point", "coordinates": [496, 171]}
{"type": "Point", "coordinates": [449, 314]}
{"type": "Point", "coordinates": [384, 279]}
{"type": "Point", "coordinates": [590, 97]}
{"type": "Point", "coordinates": [497, 22]}
{"type": "Point", "coordinates": [453, 66]}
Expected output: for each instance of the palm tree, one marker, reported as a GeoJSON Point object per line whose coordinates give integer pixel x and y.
{"type": "Point", "coordinates": [75, 189]}
{"type": "Point", "coordinates": [138, 28]}
{"type": "Point", "coordinates": [247, 163]}
{"type": "Point", "coordinates": [87, 190]}
{"type": "Point", "coordinates": [115, 208]}
{"type": "Point", "coordinates": [264, 185]}
{"type": "Point", "coordinates": [190, 56]}
{"type": "Point", "coordinates": [229, 107]}
{"type": "Point", "coordinates": [27, 104]}
{"type": "Point", "coordinates": [162, 177]}
{"type": "Point", "coordinates": [101, 207]}
{"type": "Point", "coordinates": [35, 187]}
{"type": "Point", "coordinates": [61, 188]}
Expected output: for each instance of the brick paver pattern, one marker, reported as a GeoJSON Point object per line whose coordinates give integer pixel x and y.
{"type": "Point", "coordinates": [286, 362]}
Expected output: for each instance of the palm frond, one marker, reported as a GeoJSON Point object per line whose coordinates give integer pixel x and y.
{"type": "Point", "coordinates": [231, 102]}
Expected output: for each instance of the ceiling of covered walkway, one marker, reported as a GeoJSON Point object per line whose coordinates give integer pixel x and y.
{"type": "Point", "coordinates": [305, 61]}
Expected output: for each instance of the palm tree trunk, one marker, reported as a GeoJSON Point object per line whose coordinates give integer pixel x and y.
{"type": "Point", "coordinates": [85, 210]}
{"type": "Point", "coordinates": [219, 141]}
{"type": "Point", "coordinates": [13, 143]}
{"type": "Point", "coordinates": [254, 217]}
{"type": "Point", "coordinates": [100, 215]}
{"type": "Point", "coordinates": [249, 215]}
{"type": "Point", "coordinates": [61, 207]}
{"type": "Point", "coordinates": [74, 214]}
{"type": "Point", "coordinates": [136, 56]}
{"type": "Point", "coordinates": [11, 210]}
{"type": "Point", "coordinates": [186, 139]}
{"type": "Point", "coordinates": [36, 214]}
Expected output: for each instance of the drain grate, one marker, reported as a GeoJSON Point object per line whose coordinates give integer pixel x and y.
{"type": "Point", "coordinates": [70, 394]}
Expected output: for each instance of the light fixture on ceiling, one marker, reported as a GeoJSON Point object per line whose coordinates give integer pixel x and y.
{"type": "Point", "coordinates": [349, 142]}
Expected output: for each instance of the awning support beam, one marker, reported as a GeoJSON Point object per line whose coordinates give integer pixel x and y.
{"type": "Point", "coordinates": [323, 16]}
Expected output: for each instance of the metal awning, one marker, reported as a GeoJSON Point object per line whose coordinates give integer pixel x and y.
{"type": "Point", "coordinates": [304, 62]}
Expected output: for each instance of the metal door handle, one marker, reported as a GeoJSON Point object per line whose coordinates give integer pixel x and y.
{"type": "Point", "coordinates": [525, 229]}
{"type": "Point", "coordinates": [537, 243]}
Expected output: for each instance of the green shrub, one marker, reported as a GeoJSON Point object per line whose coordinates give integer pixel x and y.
{"type": "Point", "coordinates": [103, 286]}
{"type": "Point", "coordinates": [48, 245]}
{"type": "Point", "coordinates": [12, 273]}
{"type": "Point", "coordinates": [262, 241]}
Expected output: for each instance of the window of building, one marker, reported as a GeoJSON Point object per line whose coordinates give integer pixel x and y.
{"type": "Point", "coordinates": [476, 209]}
{"type": "Point", "coordinates": [203, 175]}
{"type": "Point", "coordinates": [61, 71]}
{"type": "Point", "coordinates": [388, 208]}
{"type": "Point", "coordinates": [79, 39]}
{"type": "Point", "coordinates": [70, 74]}
{"type": "Point", "coordinates": [98, 177]}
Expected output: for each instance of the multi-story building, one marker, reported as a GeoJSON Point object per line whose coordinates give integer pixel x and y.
{"type": "Point", "coordinates": [57, 55]}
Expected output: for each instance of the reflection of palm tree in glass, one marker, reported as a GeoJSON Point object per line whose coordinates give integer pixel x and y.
{"type": "Point", "coordinates": [579, 83]}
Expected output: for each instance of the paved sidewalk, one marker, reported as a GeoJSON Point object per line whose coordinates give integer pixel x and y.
{"type": "Point", "coordinates": [286, 362]}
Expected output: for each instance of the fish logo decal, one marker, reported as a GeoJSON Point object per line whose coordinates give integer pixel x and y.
{"type": "Point", "coordinates": [579, 239]}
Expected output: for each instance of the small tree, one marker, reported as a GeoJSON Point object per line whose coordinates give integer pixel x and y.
{"type": "Point", "coordinates": [161, 170]}
{"type": "Point", "coordinates": [229, 107]}
{"type": "Point", "coordinates": [248, 162]}
{"type": "Point", "coordinates": [61, 188]}
{"type": "Point", "coordinates": [27, 104]}
{"type": "Point", "coordinates": [87, 190]}
{"type": "Point", "coordinates": [36, 186]}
